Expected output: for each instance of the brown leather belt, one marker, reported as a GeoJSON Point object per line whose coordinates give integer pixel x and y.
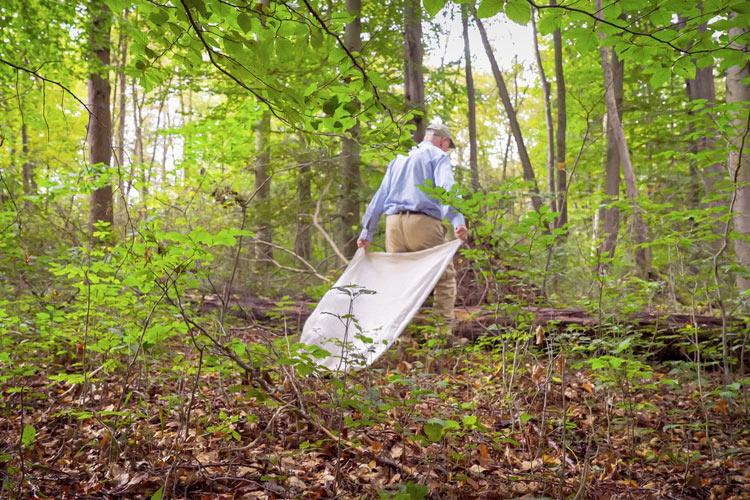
{"type": "Point", "coordinates": [414, 212]}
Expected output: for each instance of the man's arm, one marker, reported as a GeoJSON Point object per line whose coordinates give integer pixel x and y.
{"type": "Point", "coordinates": [374, 210]}
{"type": "Point", "coordinates": [444, 179]}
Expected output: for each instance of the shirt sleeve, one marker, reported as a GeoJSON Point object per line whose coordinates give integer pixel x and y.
{"type": "Point", "coordinates": [375, 209]}
{"type": "Point", "coordinates": [444, 179]}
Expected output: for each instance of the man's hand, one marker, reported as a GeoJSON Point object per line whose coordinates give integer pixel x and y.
{"type": "Point", "coordinates": [461, 232]}
{"type": "Point", "coordinates": [363, 244]}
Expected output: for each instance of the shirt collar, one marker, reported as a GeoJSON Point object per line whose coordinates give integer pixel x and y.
{"type": "Point", "coordinates": [426, 143]}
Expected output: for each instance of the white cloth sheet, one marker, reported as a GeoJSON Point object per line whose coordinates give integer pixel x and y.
{"type": "Point", "coordinates": [348, 314]}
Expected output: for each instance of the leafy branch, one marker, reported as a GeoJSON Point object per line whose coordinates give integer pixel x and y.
{"type": "Point", "coordinates": [627, 29]}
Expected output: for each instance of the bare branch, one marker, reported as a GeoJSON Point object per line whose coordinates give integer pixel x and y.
{"type": "Point", "coordinates": [298, 257]}
{"type": "Point", "coordinates": [323, 231]}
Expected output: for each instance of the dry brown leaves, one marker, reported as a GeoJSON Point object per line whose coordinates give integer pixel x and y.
{"type": "Point", "coordinates": [506, 444]}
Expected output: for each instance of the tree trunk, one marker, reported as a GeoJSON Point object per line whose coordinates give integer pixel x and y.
{"type": "Point", "coordinates": [163, 110]}
{"type": "Point", "coordinates": [100, 121]}
{"type": "Point", "coordinates": [302, 241]}
{"type": "Point", "coordinates": [263, 253]}
{"type": "Point", "coordinates": [547, 117]}
{"type": "Point", "coordinates": [350, 148]}
{"type": "Point", "coordinates": [120, 141]}
{"type": "Point", "coordinates": [27, 170]}
{"type": "Point", "coordinates": [610, 217]}
{"type": "Point", "coordinates": [504, 177]}
{"type": "Point", "coordinates": [413, 73]}
{"type": "Point", "coordinates": [562, 128]}
{"type": "Point", "coordinates": [642, 253]}
{"type": "Point", "coordinates": [702, 88]}
{"type": "Point", "coordinates": [138, 152]}
{"type": "Point", "coordinates": [471, 98]}
{"type": "Point", "coordinates": [166, 144]}
{"type": "Point", "coordinates": [738, 161]}
{"type": "Point", "coordinates": [528, 171]}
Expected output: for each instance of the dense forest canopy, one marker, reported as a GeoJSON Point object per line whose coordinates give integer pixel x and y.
{"type": "Point", "coordinates": [181, 179]}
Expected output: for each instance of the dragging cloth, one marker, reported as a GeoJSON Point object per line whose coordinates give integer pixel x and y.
{"type": "Point", "coordinates": [361, 316]}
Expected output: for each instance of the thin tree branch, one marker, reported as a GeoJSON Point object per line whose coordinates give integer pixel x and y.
{"type": "Point", "coordinates": [626, 29]}
{"type": "Point", "coordinates": [211, 54]}
{"type": "Point", "coordinates": [351, 57]}
{"type": "Point", "coordinates": [323, 231]}
{"type": "Point", "coordinates": [298, 257]}
{"type": "Point", "coordinates": [44, 79]}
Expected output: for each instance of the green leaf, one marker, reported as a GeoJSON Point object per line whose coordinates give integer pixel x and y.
{"type": "Point", "coordinates": [433, 431]}
{"type": "Point", "coordinates": [586, 39]}
{"type": "Point", "coordinates": [451, 424]}
{"type": "Point", "coordinates": [470, 420]}
{"type": "Point", "coordinates": [684, 67]}
{"type": "Point", "coordinates": [624, 344]}
{"type": "Point", "coordinates": [660, 76]}
{"type": "Point", "coordinates": [159, 17]}
{"type": "Point", "coordinates": [310, 89]}
{"type": "Point", "coordinates": [200, 7]}
{"type": "Point", "coordinates": [525, 417]}
{"type": "Point", "coordinates": [158, 494]}
{"type": "Point", "coordinates": [518, 11]}
{"type": "Point", "coordinates": [245, 22]}
{"type": "Point", "coordinates": [200, 235]}
{"type": "Point", "coordinates": [417, 491]}
{"type": "Point", "coordinates": [489, 8]}
{"type": "Point", "coordinates": [284, 49]}
{"type": "Point", "coordinates": [378, 80]}
{"type": "Point", "coordinates": [28, 435]}
{"type": "Point", "coordinates": [433, 6]}
{"type": "Point", "coordinates": [549, 22]}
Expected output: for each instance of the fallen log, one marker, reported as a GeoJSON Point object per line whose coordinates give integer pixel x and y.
{"type": "Point", "coordinates": [474, 322]}
{"type": "Point", "coordinates": [257, 308]}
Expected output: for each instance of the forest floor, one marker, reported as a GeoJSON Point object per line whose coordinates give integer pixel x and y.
{"type": "Point", "coordinates": [423, 422]}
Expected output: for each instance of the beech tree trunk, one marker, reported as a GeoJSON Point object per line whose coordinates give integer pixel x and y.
{"type": "Point", "coordinates": [100, 121]}
{"type": "Point", "coordinates": [547, 118]}
{"type": "Point", "coordinates": [413, 73]}
{"type": "Point", "coordinates": [562, 129]}
{"type": "Point", "coordinates": [528, 171]}
{"type": "Point", "coordinates": [350, 148]}
{"type": "Point", "coordinates": [263, 253]}
{"type": "Point", "coordinates": [610, 216]}
{"type": "Point", "coordinates": [471, 98]}
{"type": "Point", "coordinates": [738, 161]}
{"type": "Point", "coordinates": [642, 253]}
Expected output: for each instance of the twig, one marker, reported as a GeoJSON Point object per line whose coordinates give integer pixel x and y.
{"type": "Point", "coordinates": [210, 52]}
{"type": "Point", "coordinates": [581, 493]}
{"type": "Point", "coordinates": [37, 75]}
{"type": "Point", "coordinates": [323, 231]}
{"type": "Point", "coordinates": [352, 58]}
{"type": "Point", "coordinates": [633, 32]}
{"type": "Point", "coordinates": [298, 257]}
{"type": "Point", "coordinates": [137, 352]}
{"type": "Point", "coordinates": [74, 386]}
{"type": "Point", "coordinates": [251, 371]}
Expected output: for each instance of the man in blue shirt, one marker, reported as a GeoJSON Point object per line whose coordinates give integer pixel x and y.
{"type": "Point", "coordinates": [414, 221]}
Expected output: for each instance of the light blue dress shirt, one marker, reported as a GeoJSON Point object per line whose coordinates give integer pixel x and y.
{"type": "Point", "coordinates": [400, 189]}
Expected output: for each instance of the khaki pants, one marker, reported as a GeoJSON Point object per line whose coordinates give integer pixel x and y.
{"type": "Point", "coordinates": [414, 232]}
